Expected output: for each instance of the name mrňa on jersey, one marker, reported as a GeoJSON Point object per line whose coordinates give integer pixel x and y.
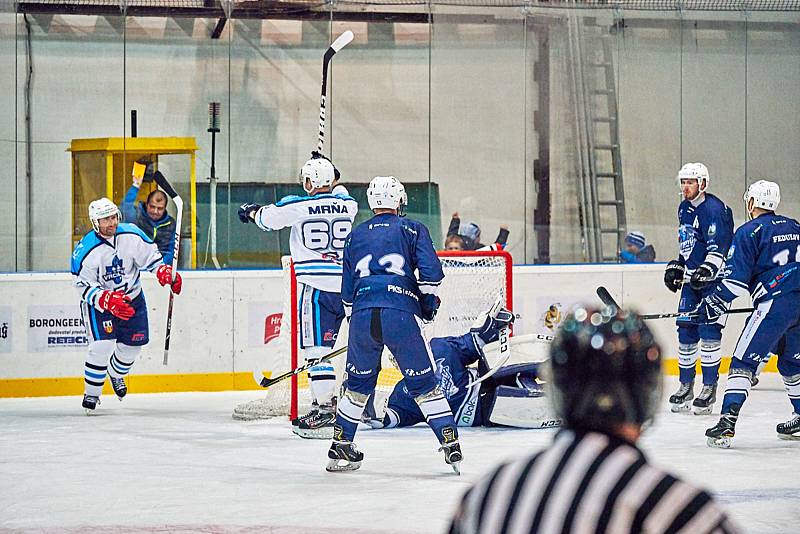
{"type": "Point", "coordinates": [320, 209]}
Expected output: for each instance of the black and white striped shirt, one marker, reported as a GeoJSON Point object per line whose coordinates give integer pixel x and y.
{"type": "Point", "coordinates": [586, 483]}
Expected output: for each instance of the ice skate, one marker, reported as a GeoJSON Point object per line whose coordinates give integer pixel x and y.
{"type": "Point", "coordinates": [704, 402]}
{"type": "Point", "coordinates": [90, 403]}
{"type": "Point", "coordinates": [317, 425]}
{"type": "Point", "coordinates": [311, 413]}
{"type": "Point", "coordinates": [119, 386]}
{"type": "Point", "coordinates": [790, 429]}
{"type": "Point", "coordinates": [343, 455]}
{"type": "Point", "coordinates": [721, 435]}
{"type": "Point", "coordinates": [681, 398]}
{"type": "Point", "coordinates": [451, 449]}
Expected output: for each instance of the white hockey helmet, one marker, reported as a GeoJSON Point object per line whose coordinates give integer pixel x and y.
{"type": "Point", "coordinates": [695, 171]}
{"type": "Point", "coordinates": [765, 195]}
{"type": "Point", "coordinates": [100, 209]}
{"type": "Point", "coordinates": [318, 172]}
{"type": "Point", "coordinates": [386, 192]}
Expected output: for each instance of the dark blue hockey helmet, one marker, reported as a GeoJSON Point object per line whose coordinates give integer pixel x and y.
{"type": "Point", "coordinates": [604, 369]}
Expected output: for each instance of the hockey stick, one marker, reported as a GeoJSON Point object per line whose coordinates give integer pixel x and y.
{"type": "Point", "coordinates": [169, 190]}
{"type": "Point", "coordinates": [265, 382]}
{"type": "Point", "coordinates": [608, 300]}
{"type": "Point", "coordinates": [340, 42]}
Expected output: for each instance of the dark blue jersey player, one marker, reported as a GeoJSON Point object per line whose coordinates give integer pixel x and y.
{"type": "Point", "coordinates": [390, 276]}
{"type": "Point", "coordinates": [705, 232]}
{"type": "Point", "coordinates": [763, 262]}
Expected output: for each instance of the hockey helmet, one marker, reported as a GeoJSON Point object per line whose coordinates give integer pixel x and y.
{"type": "Point", "coordinates": [388, 193]}
{"type": "Point", "coordinates": [318, 172]}
{"type": "Point", "coordinates": [695, 171]}
{"type": "Point", "coordinates": [765, 195]}
{"type": "Point", "coordinates": [100, 209]}
{"type": "Point", "coordinates": [604, 369]}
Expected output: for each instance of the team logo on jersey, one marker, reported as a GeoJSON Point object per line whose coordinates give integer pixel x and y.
{"type": "Point", "coordinates": [445, 378]}
{"type": "Point", "coordinates": [108, 326]}
{"type": "Point", "coordinates": [115, 271]}
{"type": "Point", "coordinates": [712, 230]}
{"type": "Point", "coordinates": [687, 239]}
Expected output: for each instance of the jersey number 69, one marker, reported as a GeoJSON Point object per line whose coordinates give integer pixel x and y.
{"type": "Point", "coordinates": [321, 234]}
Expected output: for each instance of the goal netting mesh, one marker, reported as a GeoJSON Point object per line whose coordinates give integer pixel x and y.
{"type": "Point", "coordinates": [472, 283]}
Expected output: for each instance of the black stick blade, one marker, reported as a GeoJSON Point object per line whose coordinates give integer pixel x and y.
{"type": "Point", "coordinates": [606, 297]}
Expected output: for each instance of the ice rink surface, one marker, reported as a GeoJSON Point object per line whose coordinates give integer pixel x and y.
{"type": "Point", "coordinates": [179, 463]}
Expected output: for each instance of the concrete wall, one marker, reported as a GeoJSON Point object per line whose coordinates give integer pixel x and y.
{"type": "Point", "coordinates": [452, 104]}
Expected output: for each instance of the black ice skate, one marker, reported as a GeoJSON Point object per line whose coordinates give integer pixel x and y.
{"type": "Point", "coordinates": [680, 400]}
{"type": "Point", "coordinates": [721, 435]}
{"type": "Point", "coordinates": [90, 403]}
{"type": "Point", "coordinates": [343, 455]}
{"type": "Point", "coordinates": [704, 402]}
{"type": "Point", "coordinates": [790, 429]}
{"type": "Point", "coordinates": [119, 386]}
{"type": "Point", "coordinates": [318, 425]}
{"type": "Point", "coordinates": [451, 449]}
{"type": "Point", "coordinates": [311, 413]}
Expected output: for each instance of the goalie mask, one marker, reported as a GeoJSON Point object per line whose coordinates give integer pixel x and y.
{"type": "Point", "coordinates": [386, 192]}
{"type": "Point", "coordinates": [762, 194]}
{"type": "Point", "coordinates": [318, 172]}
{"type": "Point", "coordinates": [100, 209]}
{"type": "Point", "coordinates": [604, 370]}
{"type": "Point", "coordinates": [695, 171]}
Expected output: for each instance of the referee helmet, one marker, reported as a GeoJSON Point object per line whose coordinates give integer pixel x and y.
{"type": "Point", "coordinates": [604, 369]}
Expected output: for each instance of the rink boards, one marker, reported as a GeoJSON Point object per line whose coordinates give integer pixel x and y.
{"type": "Point", "coordinates": [225, 324]}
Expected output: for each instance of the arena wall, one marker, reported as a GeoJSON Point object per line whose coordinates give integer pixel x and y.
{"type": "Point", "coordinates": [222, 318]}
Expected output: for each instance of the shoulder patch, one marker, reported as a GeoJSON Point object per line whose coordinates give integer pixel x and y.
{"type": "Point", "coordinates": [712, 230]}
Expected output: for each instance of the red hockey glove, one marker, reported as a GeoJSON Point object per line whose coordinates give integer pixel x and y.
{"type": "Point", "coordinates": [164, 276]}
{"type": "Point", "coordinates": [117, 303]}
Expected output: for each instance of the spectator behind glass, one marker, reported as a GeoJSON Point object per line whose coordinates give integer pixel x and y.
{"type": "Point", "coordinates": [636, 249]}
{"type": "Point", "coordinates": [470, 234]}
{"type": "Point", "coordinates": [454, 242]}
{"type": "Point", "coordinates": [151, 216]}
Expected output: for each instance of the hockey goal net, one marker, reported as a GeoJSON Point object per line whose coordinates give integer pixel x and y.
{"type": "Point", "coordinates": [473, 280]}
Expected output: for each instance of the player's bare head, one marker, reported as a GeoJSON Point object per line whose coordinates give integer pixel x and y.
{"type": "Point", "coordinates": [317, 174]}
{"type": "Point", "coordinates": [104, 216]}
{"type": "Point", "coordinates": [693, 179]}
{"type": "Point", "coordinates": [156, 204]}
{"type": "Point", "coordinates": [454, 242]}
{"type": "Point", "coordinates": [386, 194]}
{"type": "Point", "coordinates": [604, 370]}
{"type": "Point", "coordinates": [762, 196]}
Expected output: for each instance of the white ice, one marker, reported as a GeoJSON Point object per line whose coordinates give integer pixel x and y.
{"type": "Point", "coordinates": [179, 462]}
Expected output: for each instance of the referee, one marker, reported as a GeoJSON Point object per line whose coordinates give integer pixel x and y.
{"type": "Point", "coordinates": [605, 377]}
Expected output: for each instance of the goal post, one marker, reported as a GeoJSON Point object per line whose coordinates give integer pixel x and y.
{"type": "Point", "coordinates": [473, 280]}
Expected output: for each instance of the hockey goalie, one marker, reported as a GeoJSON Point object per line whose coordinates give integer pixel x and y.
{"type": "Point", "coordinates": [479, 395]}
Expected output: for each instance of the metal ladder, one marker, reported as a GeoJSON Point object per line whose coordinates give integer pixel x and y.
{"type": "Point", "coordinates": [602, 193]}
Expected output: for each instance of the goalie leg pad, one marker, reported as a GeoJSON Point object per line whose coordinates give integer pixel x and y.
{"type": "Point", "coordinates": [511, 374]}
{"type": "Point", "coordinates": [520, 408]}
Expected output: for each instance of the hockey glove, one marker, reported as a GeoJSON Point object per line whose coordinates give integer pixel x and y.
{"type": "Point", "coordinates": [430, 305]}
{"type": "Point", "coordinates": [164, 276]}
{"type": "Point", "coordinates": [490, 330]}
{"type": "Point", "coordinates": [246, 209]}
{"type": "Point", "coordinates": [673, 276]}
{"type": "Point", "coordinates": [116, 302]}
{"type": "Point", "coordinates": [712, 306]}
{"type": "Point", "coordinates": [702, 276]}
{"type": "Point", "coordinates": [318, 155]}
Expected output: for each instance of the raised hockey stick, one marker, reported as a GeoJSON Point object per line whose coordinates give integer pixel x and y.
{"type": "Point", "coordinates": [608, 300]}
{"type": "Point", "coordinates": [340, 42]}
{"type": "Point", "coordinates": [169, 190]}
{"type": "Point", "coordinates": [265, 382]}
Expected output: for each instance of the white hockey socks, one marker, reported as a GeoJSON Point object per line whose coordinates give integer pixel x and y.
{"type": "Point", "coordinates": [122, 360]}
{"type": "Point", "coordinates": [321, 376]}
{"type": "Point", "coordinates": [96, 365]}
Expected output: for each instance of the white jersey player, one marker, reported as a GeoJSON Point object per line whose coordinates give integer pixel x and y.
{"type": "Point", "coordinates": [106, 265]}
{"type": "Point", "coordinates": [320, 224]}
